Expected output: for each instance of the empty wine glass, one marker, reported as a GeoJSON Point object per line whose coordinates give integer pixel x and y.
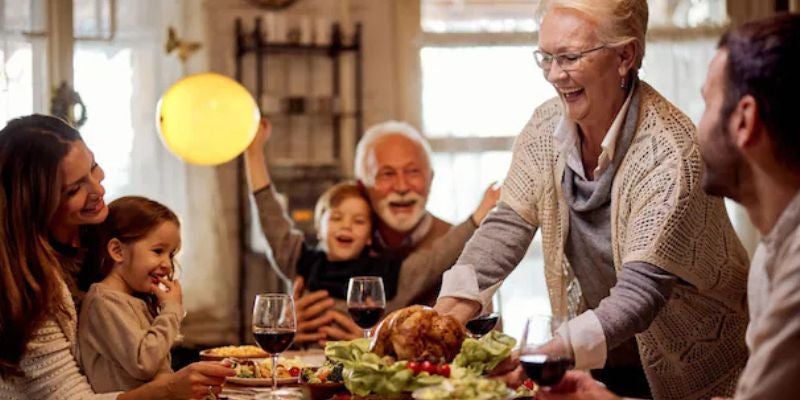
{"type": "Point", "coordinates": [545, 349]}
{"type": "Point", "coordinates": [274, 327]}
{"type": "Point", "coordinates": [366, 301]}
{"type": "Point", "coordinates": [480, 326]}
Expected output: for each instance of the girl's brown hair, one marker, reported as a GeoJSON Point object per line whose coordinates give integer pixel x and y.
{"type": "Point", "coordinates": [31, 150]}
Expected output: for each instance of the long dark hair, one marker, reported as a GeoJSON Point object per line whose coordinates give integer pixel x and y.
{"type": "Point", "coordinates": [31, 150]}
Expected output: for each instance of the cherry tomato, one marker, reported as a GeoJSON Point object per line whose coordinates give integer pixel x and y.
{"type": "Point", "coordinates": [294, 371]}
{"type": "Point", "coordinates": [443, 370]}
{"type": "Point", "coordinates": [528, 384]}
{"type": "Point", "coordinates": [414, 366]}
{"type": "Point", "coordinates": [428, 367]}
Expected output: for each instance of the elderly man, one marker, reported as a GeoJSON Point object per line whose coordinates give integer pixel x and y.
{"type": "Point", "coordinates": [393, 162]}
{"type": "Point", "coordinates": [750, 145]}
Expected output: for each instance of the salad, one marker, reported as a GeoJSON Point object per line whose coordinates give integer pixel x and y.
{"type": "Point", "coordinates": [367, 373]}
{"type": "Point", "coordinates": [329, 372]}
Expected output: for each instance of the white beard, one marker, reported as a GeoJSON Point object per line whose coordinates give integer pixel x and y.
{"type": "Point", "coordinates": [401, 222]}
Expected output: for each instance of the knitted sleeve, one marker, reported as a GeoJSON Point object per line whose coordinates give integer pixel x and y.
{"type": "Point", "coordinates": [668, 219]}
{"type": "Point", "coordinates": [50, 370]}
{"type": "Point", "coordinates": [529, 161]}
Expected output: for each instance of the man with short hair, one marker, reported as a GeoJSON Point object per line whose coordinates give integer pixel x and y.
{"type": "Point", "coordinates": [393, 162]}
{"type": "Point", "coordinates": [750, 145]}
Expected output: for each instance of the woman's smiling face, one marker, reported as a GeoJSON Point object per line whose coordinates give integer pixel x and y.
{"type": "Point", "coordinates": [587, 89]}
{"type": "Point", "coordinates": [81, 191]}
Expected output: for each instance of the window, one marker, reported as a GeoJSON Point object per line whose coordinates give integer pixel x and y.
{"type": "Point", "coordinates": [480, 85]}
{"type": "Point", "coordinates": [23, 64]}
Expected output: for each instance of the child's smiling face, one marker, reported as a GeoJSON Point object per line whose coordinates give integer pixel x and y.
{"type": "Point", "coordinates": [147, 260]}
{"type": "Point", "coordinates": [346, 229]}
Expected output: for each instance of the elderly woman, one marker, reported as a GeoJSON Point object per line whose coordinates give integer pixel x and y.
{"type": "Point", "coordinates": [50, 196]}
{"type": "Point", "coordinates": [646, 263]}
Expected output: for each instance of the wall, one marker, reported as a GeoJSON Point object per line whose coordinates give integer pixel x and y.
{"type": "Point", "coordinates": [295, 142]}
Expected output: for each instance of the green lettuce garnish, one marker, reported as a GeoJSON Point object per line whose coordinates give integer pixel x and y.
{"type": "Point", "coordinates": [367, 373]}
{"type": "Point", "coordinates": [483, 355]}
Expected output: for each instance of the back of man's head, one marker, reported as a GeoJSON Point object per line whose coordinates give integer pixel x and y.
{"type": "Point", "coordinates": [364, 170]}
{"type": "Point", "coordinates": [764, 62]}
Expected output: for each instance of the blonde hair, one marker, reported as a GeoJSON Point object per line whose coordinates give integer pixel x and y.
{"type": "Point", "coordinates": [618, 21]}
{"type": "Point", "coordinates": [334, 196]}
{"type": "Point", "coordinates": [364, 159]}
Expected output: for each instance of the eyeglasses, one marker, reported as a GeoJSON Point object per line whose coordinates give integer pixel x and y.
{"type": "Point", "coordinates": [567, 61]}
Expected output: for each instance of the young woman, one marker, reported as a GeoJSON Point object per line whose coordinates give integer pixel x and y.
{"type": "Point", "coordinates": [50, 198]}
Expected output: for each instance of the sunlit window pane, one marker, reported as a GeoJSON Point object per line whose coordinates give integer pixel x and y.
{"type": "Point", "coordinates": [92, 18]}
{"type": "Point", "coordinates": [104, 80]}
{"type": "Point", "coordinates": [16, 81]}
{"type": "Point", "coordinates": [478, 15]}
{"type": "Point", "coordinates": [687, 13]}
{"type": "Point", "coordinates": [480, 91]}
{"type": "Point", "coordinates": [678, 69]}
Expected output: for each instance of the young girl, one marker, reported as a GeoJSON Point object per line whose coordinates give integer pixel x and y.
{"type": "Point", "coordinates": [130, 319]}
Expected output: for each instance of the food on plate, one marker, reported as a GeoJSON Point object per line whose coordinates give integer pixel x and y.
{"type": "Point", "coordinates": [236, 351]}
{"type": "Point", "coordinates": [418, 333]}
{"type": "Point", "coordinates": [262, 369]}
{"type": "Point", "coordinates": [329, 372]}
{"type": "Point", "coordinates": [468, 387]}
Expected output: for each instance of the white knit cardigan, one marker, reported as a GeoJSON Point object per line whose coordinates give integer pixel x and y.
{"type": "Point", "coordinates": [50, 364]}
{"type": "Point", "coordinates": [694, 349]}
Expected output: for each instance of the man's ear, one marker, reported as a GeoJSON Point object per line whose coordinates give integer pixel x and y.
{"type": "Point", "coordinates": [743, 123]}
{"type": "Point", "coordinates": [115, 250]}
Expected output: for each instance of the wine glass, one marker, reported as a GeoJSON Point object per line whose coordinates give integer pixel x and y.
{"type": "Point", "coordinates": [480, 326]}
{"type": "Point", "coordinates": [366, 301]}
{"type": "Point", "coordinates": [274, 326]}
{"type": "Point", "coordinates": [545, 349]}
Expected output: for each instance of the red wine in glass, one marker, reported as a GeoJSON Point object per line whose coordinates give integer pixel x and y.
{"type": "Point", "coordinates": [366, 301]}
{"type": "Point", "coordinates": [274, 341]}
{"type": "Point", "coordinates": [274, 327]}
{"type": "Point", "coordinates": [482, 325]}
{"type": "Point", "coordinates": [545, 349]}
{"type": "Point", "coordinates": [545, 370]}
{"type": "Point", "coordinates": [366, 317]}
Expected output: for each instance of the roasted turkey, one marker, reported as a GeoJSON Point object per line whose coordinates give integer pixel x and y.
{"type": "Point", "coordinates": [418, 332]}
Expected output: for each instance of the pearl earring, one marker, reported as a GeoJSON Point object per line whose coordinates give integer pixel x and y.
{"type": "Point", "coordinates": [623, 84]}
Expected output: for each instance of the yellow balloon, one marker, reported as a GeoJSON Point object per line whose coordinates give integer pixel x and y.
{"type": "Point", "coordinates": [207, 119]}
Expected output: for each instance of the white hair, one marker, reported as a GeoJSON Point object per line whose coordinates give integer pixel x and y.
{"type": "Point", "coordinates": [365, 158]}
{"type": "Point", "coordinates": [618, 21]}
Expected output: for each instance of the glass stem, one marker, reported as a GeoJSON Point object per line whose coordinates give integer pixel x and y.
{"type": "Point", "coordinates": [274, 372]}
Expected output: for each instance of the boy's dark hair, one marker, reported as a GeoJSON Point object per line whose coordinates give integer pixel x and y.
{"type": "Point", "coordinates": [764, 62]}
